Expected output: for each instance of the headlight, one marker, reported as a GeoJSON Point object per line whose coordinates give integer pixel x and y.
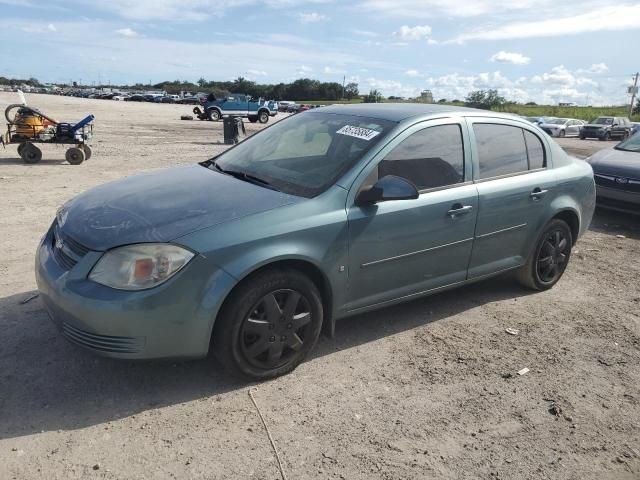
{"type": "Point", "coordinates": [141, 266]}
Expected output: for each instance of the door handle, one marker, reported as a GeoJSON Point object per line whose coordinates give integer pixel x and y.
{"type": "Point", "coordinates": [538, 193]}
{"type": "Point", "coordinates": [459, 209]}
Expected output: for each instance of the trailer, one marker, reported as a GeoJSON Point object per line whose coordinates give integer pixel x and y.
{"type": "Point", "coordinates": [27, 126]}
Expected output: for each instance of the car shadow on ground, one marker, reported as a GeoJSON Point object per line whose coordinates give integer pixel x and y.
{"type": "Point", "coordinates": [47, 384]}
{"type": "Point", "coordinates": [615, 223]}
{"type": "Point", "coordinates": [43, 162]}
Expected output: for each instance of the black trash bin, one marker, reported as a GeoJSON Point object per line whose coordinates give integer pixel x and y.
{"type": "Point", "coordinates": [232, 128]}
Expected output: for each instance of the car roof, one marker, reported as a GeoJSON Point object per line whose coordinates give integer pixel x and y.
{"type": "Point", "coordinates": [397, 112]}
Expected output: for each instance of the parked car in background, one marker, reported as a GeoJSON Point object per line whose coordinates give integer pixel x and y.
{"type": "Point", "coordinates": [254, 252]}
{"type": "Point", "coordinates": [539, 120]}
{"type": "Point", "coordinates": [635, 127]}
{"type": "Point", "coordinates": [283, 105]}
{"type": "Point", "coordinates": [136, 98]}
{"type": "Point", "coordinates": [562, 127]}
{"type": "Point", "coordinates": [120, 97]}
{"type": "Point", "coordinates": [617, 174]}
{"type": "Point", "coordinates": [273, 107]}
{"type": "Point", "coordinates": [164, 99]}
{"type": "Point", "coordinates": [293, 108]}
{"type": "Point", "coordinates": [607, 128]}
{"type": "Point", "coordinates": [192, 100]}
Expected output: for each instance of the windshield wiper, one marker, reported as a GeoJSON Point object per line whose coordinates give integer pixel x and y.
{"type": "Point", "coordinates": [247, 177]}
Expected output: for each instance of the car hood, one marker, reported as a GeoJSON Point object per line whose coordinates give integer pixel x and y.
{"type": "Point", "coordinates": [161, 206]}
{"type": "Point", "coordinates": [616, 162]}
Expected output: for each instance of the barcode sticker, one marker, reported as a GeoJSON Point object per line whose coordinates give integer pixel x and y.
{"type": "Point", "coordinates": [358, 132]}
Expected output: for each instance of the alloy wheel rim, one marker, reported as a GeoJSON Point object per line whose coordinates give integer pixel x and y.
{"type": "Point", "coordinates": [552, 256]}
{"type": "Point", "coordinates": [275, 329]}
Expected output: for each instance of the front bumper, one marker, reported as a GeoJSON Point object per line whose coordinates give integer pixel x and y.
{"type": "Point", "coordinates": [593, 133]}
{"type": "Point", "coordinates": [619, 200]}
{"type": "Point", "coordinates": [172, 320]}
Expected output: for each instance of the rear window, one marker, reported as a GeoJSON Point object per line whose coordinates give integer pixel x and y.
{"type": "Point", "coordinates": [507, 150]}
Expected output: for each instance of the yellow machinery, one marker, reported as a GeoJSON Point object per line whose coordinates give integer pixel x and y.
{"type": "Point", "coordinates": [27, 126]}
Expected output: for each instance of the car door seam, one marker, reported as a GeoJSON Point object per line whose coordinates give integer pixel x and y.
{"type": "Point", "coordinates": [515, 227]}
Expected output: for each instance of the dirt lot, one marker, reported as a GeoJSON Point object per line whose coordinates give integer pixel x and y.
{"type": "Point", "coordinates": [427, 389]}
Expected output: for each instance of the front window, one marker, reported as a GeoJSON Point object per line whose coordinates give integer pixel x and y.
{"type": "Point", "coordinates": [603, 121]}
{"type": "Point", "coordinates": [632, 144]}
{"type": "Point", "coordinates": [304, 155]}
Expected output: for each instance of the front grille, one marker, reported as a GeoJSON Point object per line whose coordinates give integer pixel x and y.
{"type": "Point", "coordinates": [618, 182]}
{"type": "Point", "coordinates": [66, 250]}
{"type": "Point", "coordinates": [103, 343]}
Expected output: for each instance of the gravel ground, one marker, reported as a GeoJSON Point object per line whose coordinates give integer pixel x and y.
{"type": "Point", "coordinates": [427, 389]}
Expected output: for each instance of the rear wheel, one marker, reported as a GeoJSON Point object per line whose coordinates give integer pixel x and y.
{"type": "Point", "coordinates": [549, 260]}
{"type": "Point", "coordinates": [268, 324]}
{"type": "Point", "coordinates": [263, 116]}
{"type": "Point", "coordinates": [30, 153]}
{"type": "Point", "coordinates": [75, 156]}
{"type": "Point", "coordinates": [87, 151]}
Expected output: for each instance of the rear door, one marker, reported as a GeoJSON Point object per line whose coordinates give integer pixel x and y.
{"type": "Point", "coordinates": [514, 191]}
{"type": "Point", "coordinates": [404, 247]}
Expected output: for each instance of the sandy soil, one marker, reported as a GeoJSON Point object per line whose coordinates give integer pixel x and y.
{"type": "Point", "coordinates": [427, 389]}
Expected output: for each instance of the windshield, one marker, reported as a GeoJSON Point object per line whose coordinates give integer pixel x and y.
{"type": "Point", "coordinates": [558, 121]}
{"type": "Point", "coordinates": [305, 154]}
{"type": "Point", "coordinates": [603, 121]}
{"type": "Point", "coordinates": [631, 144]}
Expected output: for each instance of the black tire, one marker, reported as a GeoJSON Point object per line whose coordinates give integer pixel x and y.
{"type": "Point", "coordinates": [87, 151]}
{"type": "Point", "coordinates": [582, 138]}
{"type": "Point", "coordinates": [263, 116]}
{"type": "Point", "coordinates": [75, 156]}
{"type": "Point", "coordinates": [20, 148]}
{"type": "Point", "coordinates": [549, 259]}
{"type": "Point", "coordinates": [214, 115]}
{"type": "Point", "coordinates": [277, 339]}
{"type": "Point", "coordinates": [562, 133]}
{"type": "Point", "coordinates": [253, 119]}
{"type": "Point", "coordinates": [30, 153]}
{"type": "Point", "coordinates": [606, 137]}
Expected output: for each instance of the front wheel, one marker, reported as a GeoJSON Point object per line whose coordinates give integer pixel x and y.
{"type": "Point", "coordinates": [214, 115]}
{"type": "Point", "coordinates": [75, 156]}
{"type": "Point", "coordinates": [550, 257]}
{"type": "Point", "coordinates": [562, 133]}
{"type": "Point", "coordinates": [268, 325]}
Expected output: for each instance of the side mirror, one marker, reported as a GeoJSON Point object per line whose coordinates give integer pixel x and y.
{"type": "Point", "coordinates": [389, 187]}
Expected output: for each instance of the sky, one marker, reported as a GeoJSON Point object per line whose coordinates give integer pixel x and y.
{"type": "Point", "coordinates": [546, 51]}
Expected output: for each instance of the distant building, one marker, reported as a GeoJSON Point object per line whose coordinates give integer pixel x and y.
{"type": "Point", "coordinates": [426, 96]}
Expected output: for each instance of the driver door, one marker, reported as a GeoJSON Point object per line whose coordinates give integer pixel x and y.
{"type": "Point", "coordinates": [405, 247]}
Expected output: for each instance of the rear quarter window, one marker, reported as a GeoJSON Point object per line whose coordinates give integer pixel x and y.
{"type": "Point", "coordinates": [507, 150]}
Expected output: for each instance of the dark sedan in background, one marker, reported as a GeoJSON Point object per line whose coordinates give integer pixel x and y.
{"type": "Point", "coordinates": [607, 128]}
{"type": "Point", "coordinates": [617, 174]}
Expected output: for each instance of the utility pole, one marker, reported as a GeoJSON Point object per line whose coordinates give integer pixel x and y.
{"type": "Point", "coordinates": [344, 79]}
{"type": "Point", "coordinates": [634, 91]}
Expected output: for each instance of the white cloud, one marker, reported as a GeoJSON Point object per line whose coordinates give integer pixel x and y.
{"type": "Point", "coordinates": [618, 17]}
{"type": "Point", "coordinates": [39, 28]}
{"type": "Point", "coordinates": [413, 33]}
{"type": "Point", "coordinates": [312, 17]}
{"type": "Point", "coordinates": [127, 32]}
{"type": "Point", "coordinates": [510, 57]}
{"type": "Point", "coordinates": [595, 68]}
{"type": "Point", "coordinates": [412, 73]}
{"type": "Point", "coordinates": [332, 71]}
{"type": "Point", "coordinates": [257, 73]}
{"type": "Point", "coordinates": [456, 8]}
{"type": "Point", "coordinates": [390, 87]}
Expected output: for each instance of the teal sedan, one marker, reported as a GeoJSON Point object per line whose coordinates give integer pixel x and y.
{"type": "Point", "coordinates": [336, 211]}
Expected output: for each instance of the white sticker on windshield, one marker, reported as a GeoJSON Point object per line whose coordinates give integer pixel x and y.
{"type": "Point", "coordinates": [358, 132]}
